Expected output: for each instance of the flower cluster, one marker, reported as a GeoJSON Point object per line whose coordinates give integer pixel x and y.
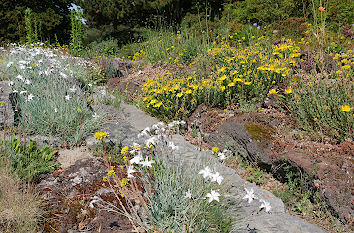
{"type": "Point", "coordinates": [99, 136]}
{"type": "Point", "coordinates": [237, 75]}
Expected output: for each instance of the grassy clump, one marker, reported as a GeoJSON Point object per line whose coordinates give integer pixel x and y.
{"type": "Point", "coordinates": [19, 206]}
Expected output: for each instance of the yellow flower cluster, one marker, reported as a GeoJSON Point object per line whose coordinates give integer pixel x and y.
{"type": "Point", "coordinates": [237, 74]}
{"type": "Point", "coordinates": [99, 136]}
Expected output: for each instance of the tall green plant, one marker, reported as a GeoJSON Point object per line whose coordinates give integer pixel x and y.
{"type": "Point", "coordinates": [31, 25]}
{"type": "Point", "coordinates": [76, 29]}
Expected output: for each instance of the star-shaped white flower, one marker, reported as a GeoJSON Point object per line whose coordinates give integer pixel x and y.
{"type": "Point", "coordinates": [188, 194]}
{"type": "Point", "coordinates": [67, 97]}
{"type": "Point", "coordinates": [249, 195]}
{"type": "Point", "coordinates": [55, 110]}
{"type": "Point", "coordinates": [73, 89]}
{"type": "Point", "coordinates": [213, 195]}
{"type": "Point", "coordinates": [216, 178]}
{"type": "Point", "coordinates": [130, 171]}
{"type": "Point", "coordinates": [137, 159]}
{"type": "Point", "coordinates": [206, 172]}
{"type": "Point", "coordinates": [11, 83]}
{"type": "Point", "coordinates": [265, 205]}
{"type": "Point", "coordinates": [146, 162]}
{"type": "Point", "coordinates": [27, 81]}
{"type": "Point", "coordinates": [221, 156]}
{"type": "Point", "coordinates": [172, 146]}
{"type": "Point", "coordinates": [19, 77]}
{"type": "Point", "coordinates": [23, 92]}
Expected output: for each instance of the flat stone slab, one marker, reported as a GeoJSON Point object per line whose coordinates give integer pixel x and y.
{"type": "Point", "coordinates": [136, 117]}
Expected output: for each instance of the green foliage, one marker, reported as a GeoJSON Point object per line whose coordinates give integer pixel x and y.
{"type": "Point", "coordinates": [28, 161]}
{"type": "Point", "coordinates": [317, 106]}
{"type": "Point", "coordinates": [50, 17]}
{"type": "Point", "coordinates": [76, 35]}
{"type": "Point", "coordinates": [32, 27]}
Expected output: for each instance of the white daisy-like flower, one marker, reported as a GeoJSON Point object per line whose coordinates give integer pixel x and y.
{"type": "Point", "coordinates": [11, 83]}
{"type": "Point", "coordinates": [221, 156]}
{"type": "Point", "coordinates": [23, 92]}
{"type": "Point", "coordinates": [55, 110]}
{"type": "Point", "coordinates": [27, 81]}
{"type": "Point", "coordinates": [136, 159]}
{"type": "Point", "coordinates": [73, 89]}
{"type": "Point", "coordinates": [67, 97]}
{"type": "Point", "coordinates": [213, 195]}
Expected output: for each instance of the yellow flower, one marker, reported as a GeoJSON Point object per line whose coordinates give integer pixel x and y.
{"type": "Point", "coordinates": [158, 105]}
{"type": "Point", "coordinates": [79, 110]}
{"type": "Point", "coordinates": [346, 67]}
{"type": "Point", "coordinates": [231, 84]}
{"type": "Point", "coordinates": [2, 103]}
{"type": "Point", "coordinates": [272, 92]}
{"type": "Point", "coordinates": [188, 91]}
{"type": "Point", "coordinates": [111, 172]}
{"type": "Point", "coordinates": [124, 150]}
{"type": "Point", "coordinates": [345, 108]}
{"type": "Point", "coordinates": [179, 94]}
{"type": "Point", "coordinates": [248, 83]}
{"type": "Point", "coordinates": [124, 182]}
{"type": "Point", "coordinates": [339, 72]}
{"type": "Point", "coordinates": [288, 91]}
{"type": "Point", "coordinates": [105, 179]}
{"type": "Point", "coordinates": [215, 149]}
{"type": "Point", "coordinates": [99, 136]}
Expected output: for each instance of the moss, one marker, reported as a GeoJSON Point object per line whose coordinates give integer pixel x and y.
{"type": "Point", "coordinates": [260, 133]}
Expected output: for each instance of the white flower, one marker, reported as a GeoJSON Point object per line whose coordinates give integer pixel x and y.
{"type": "Point", "coordinates": [73, 89]}
{"type": "Point", "coordinates": [19, 77]}
{"type": "Point", "coordinates": [103, 92]}
{"type": "Point", "coordinates": [23, 92]}
{"type": "Point", "coordinates": [221, 156]}
{"type": "Point", "coordinates": [250, 195]}
{"type": "Point", "coordinates": [27, 81]}
{"type": "Point", "coordinates": [29, 97]}
{"type": "Point", "coordinates": [216, 178]}
{"type": "Point", "coordinates": [130, 171]}
{"type": "Point", "coordinates": [172, 146]}
{"type": "Point", "coordinates": [95, 116]}
{"type": "Point", "coordinates": [188, 194]}
{"type": "Point", "coordinates": [136, 159]}
{"type": "Point", "coordinates": [182, 122]}
{"type": "Point", "coordinates": [90, 85]}
{"type": "Point", "coordinates": [150, 141]}
{"type": "Point", "coordinates": [9, 64]}
{"type": "Point", "coordinates": [213, 195]}
{"type": "Point", "coordinates": [63, 75]}
{"type": "Point", "coordinates": [67, 97]}
{"type": "Point", "coordinates": [11, 83]}
{"type": "Point", "coordinates": [265, 205]}
{"type": "Point", "coordinates": [14, 91]}
{"type": "Point", "coordinates": [94, 200]}
{"type": "Point", "coordinates": [55, 110]}
{"type": "Point", "coordinates": [146, 162]}
{"type": "Point", "coordinates": [206, 172]}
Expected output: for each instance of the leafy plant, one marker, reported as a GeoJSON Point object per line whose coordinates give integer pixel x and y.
{"type": "Point", "coordinates": [28, 161]}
